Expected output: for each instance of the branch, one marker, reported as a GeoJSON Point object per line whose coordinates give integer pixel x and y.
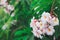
{"type": "Point", "coordinates": [51, 12]}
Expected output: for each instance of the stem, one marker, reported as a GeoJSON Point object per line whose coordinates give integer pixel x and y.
{"type": "Point", "coordinates": [7, 35]}
{"type": "Point", "coordinates": [14, 31]}
{"type": "Point", "coordinates": [51, 12]}
{"type": "Point", "coordinates": [54, 38]}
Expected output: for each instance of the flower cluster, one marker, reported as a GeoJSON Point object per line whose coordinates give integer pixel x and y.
{"type": "Point", "coordinates": [44, 25]}
{"type": "Point", "coordinates": [7, 7]}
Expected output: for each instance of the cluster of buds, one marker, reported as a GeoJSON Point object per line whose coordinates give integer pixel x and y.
{"type": "Point", "coordinates": [44, 25]}
{"type": "Point", "coordinates": [7, 7]}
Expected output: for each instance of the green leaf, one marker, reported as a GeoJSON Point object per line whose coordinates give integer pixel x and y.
{"type": "Point", "coordinates": [23, 34]}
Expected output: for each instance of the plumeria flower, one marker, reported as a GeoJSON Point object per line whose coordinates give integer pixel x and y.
{"type": "Point", "coordinates": [37, 33]}
{"type": "Point", "coordinates": [55, 21]}
{"type": "Point", "coordinates": [33, 22]}
{"type": "Point", "coordinates": [40, 25]}
{"type": "Point", "coordinates": [7, 7]}
{"type": "Point", "coordinates": [3, 1]}
{"type": "Point", "coordinates": [50, 31]}
{"type": "Point", "coordinates": [10, 7]}
{"type": "Point", "coordinates": [43, 31]}
{"type": "Point", "coordinates": [4, 27]}
{"type": "Point", "coordinates": [44, 25]}
{"type": "Point", "coordinates": [45, 16]}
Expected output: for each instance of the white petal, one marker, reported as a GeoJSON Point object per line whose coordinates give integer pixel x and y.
{"type": "Point", "coordinates": [55, 21]}
{"type": "Point", "coordinates": [50, 31]}
{"type": "Point", "coordinates": [3, 1]}
{"type": "Point", "coordinates": [45, 14]}
{"type": "Point", "coordinates": [10, 7]}
{"type": "Point", "coordinates": [36, 34]}
{"type": "Point", "coordinates": [4, 27]}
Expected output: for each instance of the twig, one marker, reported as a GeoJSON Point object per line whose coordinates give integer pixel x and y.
{"type": "Point", "coordinates": [51, 12]}
{"type": "Point", "coordinates": [54, 38]}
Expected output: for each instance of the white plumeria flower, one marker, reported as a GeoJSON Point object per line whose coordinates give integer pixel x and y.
{"type": "Point", "coordinates": [33, 22]}
{"type": "Point", "coordinates": [45, 16]}
{"type": "Point", "coordinates": [4, 27]}
{"type": "Point", "coordinates": [44, 25]}
{"type": "Point", "coordinates": [42, 20]}
{"type": "Point", "coordinates": [36, 33]}
{"type": "Point", "coordinates": [3, 2]}
{"type": "Point", "coordinates": [43, 31]}
{"type": "Point", "coordinates": [10, 7]}
{"type": "Point", "coordinates": [5, 5]}
{"type": "Point", "coordinates": [55, 21]}
{"type": "Point", "coordinates": [51, 27]}
{"type": "Point", "coordinates": [50, 31]}
{"type": "Point", "coordinates": [40, 24]}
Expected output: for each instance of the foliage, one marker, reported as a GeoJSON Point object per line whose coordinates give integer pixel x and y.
{"type": "Point", "coordinates": [24, 11]}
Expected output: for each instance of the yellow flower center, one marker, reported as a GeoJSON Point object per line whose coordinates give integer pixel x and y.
{"type": "Point", "coordinates": [49, 29]}
{"type": "Point", "coordinates": [55, 20]}
{"type": "Point", "coordinates": [41, 24]}
{"type": "Point", "coordinates": [45, 17]}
